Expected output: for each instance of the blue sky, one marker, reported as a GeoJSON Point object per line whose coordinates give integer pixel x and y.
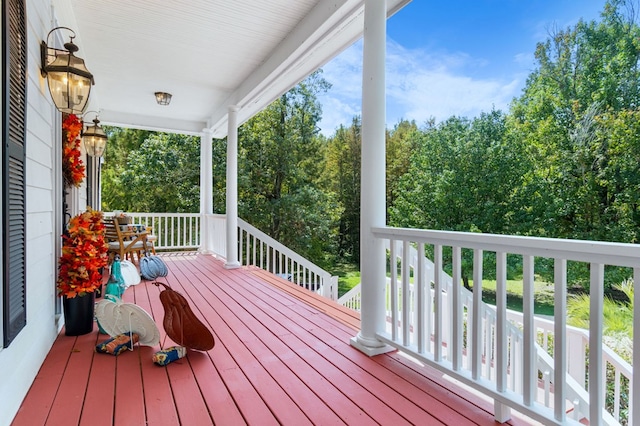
{"type": "Point", "coordinates": [451, 57]}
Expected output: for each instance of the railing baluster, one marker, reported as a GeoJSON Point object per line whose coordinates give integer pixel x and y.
{"type": "Point", "coordinates": [437, 319]}
{"type": "Point", "coordinates": [559, 341]}
{"type": "Point", "coordinates": [240, 248]}
{"type": "Point", "coordinates": [476, 348]}
{"type": "Point", "coordinates": [502, 412]}
{"type": "Point", "coordinates": [458, 313]}
{"type": "Point", "coordinates": [596, 377]}
{"type": "Point", "coordinates": [488, 342]}
{"type": "Point", "coordinates": [394, 291]}
{"type": "Point", "coordinates": [428, 321]}
{"type": "Point", "coordinates": [512, 361]}
{"type": "Point", "coordinates": [529, 372]}
{"type": "Point", "coordinates": [470, 334]}
{"type": "Point", "coordinates": [406, 294]}
{"type": "Point", "coordinates": [420, 283]}
{"type": "Point", "coordinates": [287, 264]}
{"type": "Point", "coordinates": [517, 370]}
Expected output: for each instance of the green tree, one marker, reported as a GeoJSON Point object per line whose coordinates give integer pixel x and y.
{"type": "Point", "coordinates": [219, 163]}
{"type": "Point", "coordinates": [582, 92]}
{"type": "Point", "coordinates": [400, 141]}
{"type": "Point", "coordinates": [582, 73]}
{"type": "Point", "coordinates": [161, 174]}
{"type": "Point", "coordinates": [342, 179]}
{"type": "Point", "coordinates": [280, 160]}
{"type": "Point", "coordinates": [121, 143]}
{"type": "Point", "coordinates": [464, 176]}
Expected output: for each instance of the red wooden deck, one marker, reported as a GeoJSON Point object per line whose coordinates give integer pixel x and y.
{"type": "Point", "coordinates": [282, 356]}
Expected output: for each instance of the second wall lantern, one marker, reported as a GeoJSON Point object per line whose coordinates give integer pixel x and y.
{"type": "Point", "coordinates": [68, 78]}
{"type": "Point", "coordinates": [94, 139]}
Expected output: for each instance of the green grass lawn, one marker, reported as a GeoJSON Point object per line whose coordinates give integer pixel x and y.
{"type": "Point", "coordinates": [542, 295]}
{"type": "Point", "coordinates": [349, 277]}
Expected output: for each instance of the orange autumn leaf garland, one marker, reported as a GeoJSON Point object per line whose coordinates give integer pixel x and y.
{"type": "Point", "coordinates": [72, 166]}
{"type": "Point", "coordinates": [84, 252]}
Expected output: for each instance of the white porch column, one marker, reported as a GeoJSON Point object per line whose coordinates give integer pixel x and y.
{"type": "Point", "coordinates": [206, 190]}
{"type": "Point", "coordinates": [232, 189]}
{"type": "Point", "coordinates": [372, 251]}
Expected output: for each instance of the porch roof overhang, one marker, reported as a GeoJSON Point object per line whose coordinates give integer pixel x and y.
{"type": "Point", "coordinates": [209, 54]}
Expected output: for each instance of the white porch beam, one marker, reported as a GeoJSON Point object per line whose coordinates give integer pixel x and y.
{"type": "Point", "coordinates": [330, 28]}
{"type": "Point", "coordinates": [283, 69]}
{"type": "Point", "coordinates": [156, 124]}
{"type": "Point", "coordinates": [206, 189]}
{"type": "Point", "coordinates": [372, 211]}
{"type": "Point", "coordinates": [232, 189]}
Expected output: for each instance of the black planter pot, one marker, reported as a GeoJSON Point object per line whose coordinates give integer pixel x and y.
{"type": "Point", "coordinates": [78, 314]}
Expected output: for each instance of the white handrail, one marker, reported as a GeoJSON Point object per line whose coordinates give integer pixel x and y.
{"type": "Point", "coordinates": [181, 231]}
{"type": "Point", "coordinates": [258, 249]}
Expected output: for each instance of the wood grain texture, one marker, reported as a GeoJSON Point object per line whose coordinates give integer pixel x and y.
{"type": "Point", "coordinates": [282, 356]}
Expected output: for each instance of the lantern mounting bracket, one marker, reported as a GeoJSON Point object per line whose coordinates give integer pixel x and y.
{"type": "Point", "coordinates": [48, 54]}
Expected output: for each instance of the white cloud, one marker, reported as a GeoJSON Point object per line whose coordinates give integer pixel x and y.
{"type": "Point", "coordinates": [419, 86]}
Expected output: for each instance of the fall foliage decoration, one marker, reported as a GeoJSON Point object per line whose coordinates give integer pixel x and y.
{"type": "Point", "coordinates": [72, 166]}
{"type": "Point", "coordinates": [84, 252]}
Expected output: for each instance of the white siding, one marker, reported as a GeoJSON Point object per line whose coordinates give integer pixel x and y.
{"type": "Point", "coordinates": [20, 362]}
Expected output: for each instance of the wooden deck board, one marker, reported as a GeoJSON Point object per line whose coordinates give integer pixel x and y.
{"type": "Point", "coordinates": [304, 388]}
{"type": "Point", "coordinates": [282, 356]}
{"type": "Point", "coordinates": [45, 386]}
{"type": "Point", "coordinates": [360, 379]}
{"type": "Point", "coordinates": [341, 313]}
{"type": "Point", "coordinates": [69, 400]}
{"type": "Point", "coordinates": [257, 362]}
{"type": "Point", "coordinates": [160, 406]}
{"type": "Point", "coordinates": [101, 383]}
{"type": "Point", "coordinates": [361, 370]}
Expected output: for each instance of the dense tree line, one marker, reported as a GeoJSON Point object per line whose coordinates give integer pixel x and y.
{"type": "Point", "coordinates": [563, 161]}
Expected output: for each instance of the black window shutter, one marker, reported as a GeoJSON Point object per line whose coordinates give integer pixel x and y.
{"type": "Point", "coordinates": [14, 114]}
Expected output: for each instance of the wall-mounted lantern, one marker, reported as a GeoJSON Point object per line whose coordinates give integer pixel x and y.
{"type": "Point", "coordinates": [69, 79]}
{"type": "Point", "coordinates": [94, 138]}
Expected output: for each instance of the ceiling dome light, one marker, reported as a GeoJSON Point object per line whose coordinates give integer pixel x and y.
{"type": "Point", "coordinates": [163, 98]}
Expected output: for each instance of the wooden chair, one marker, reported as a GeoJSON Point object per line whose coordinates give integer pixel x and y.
{"type": "Point", "coordinates": [124, 242]}
{"type": "Point", "coordinates": [151, 239]}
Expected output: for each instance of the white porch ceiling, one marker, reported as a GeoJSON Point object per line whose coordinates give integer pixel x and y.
{"type": "Point", "coordinates": [208, 54]}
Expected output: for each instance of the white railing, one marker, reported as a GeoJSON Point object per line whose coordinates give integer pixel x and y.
{"type": "Point", "coordinates": [485, 348]}
{"type": "Point", "coordinates": [353, 298]}
{"type": "Point", "coordinates": [181, 231]}
{"type": "Point", "coordinates": [258, 249]}
{"type": "Point", "coordinates": [175, 231]}
{"type": "Point", "coordinates": [619, 371]}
